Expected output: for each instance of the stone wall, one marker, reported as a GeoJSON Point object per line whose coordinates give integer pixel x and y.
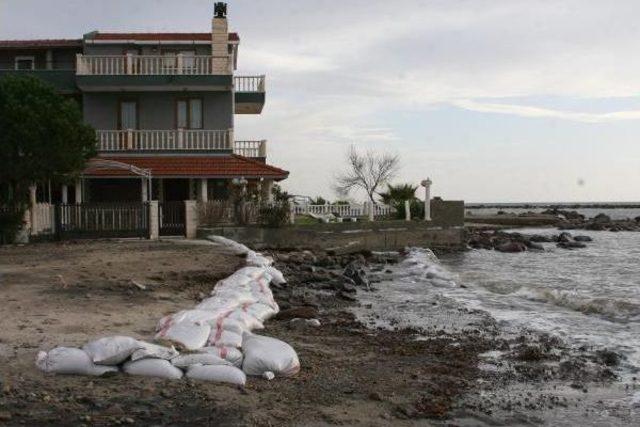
{"type": "Point", "coordinates": [346, 237]}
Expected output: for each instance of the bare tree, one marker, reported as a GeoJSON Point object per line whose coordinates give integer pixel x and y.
{"type": "Point", "coordinates": [367, 171]}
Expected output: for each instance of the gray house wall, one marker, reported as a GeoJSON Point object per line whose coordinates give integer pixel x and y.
{"type": "Point", "coordinates": [157, 110]}
{"type": "Point", "coordinates": [63, 59]}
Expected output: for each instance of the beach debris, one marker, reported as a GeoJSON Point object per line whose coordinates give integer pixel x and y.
{"type": "Point", "coordinates": [138, 285]}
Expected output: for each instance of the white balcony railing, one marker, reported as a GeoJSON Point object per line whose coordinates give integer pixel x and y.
{"type": "Point", "coordinates": [249, 83]}
{"type": "Point", "coordinates": [251, 148]}
{"type": "Point", "coordinates": [164, 140]}
{"type": "Point", "coordinates": [150, 65]}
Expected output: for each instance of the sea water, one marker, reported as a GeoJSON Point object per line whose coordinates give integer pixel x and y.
{"type": "Point", "coordinates": [588, 297]}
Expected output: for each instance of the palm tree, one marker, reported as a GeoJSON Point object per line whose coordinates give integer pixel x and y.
{"type": "Point", "coordinates": [398, 193]}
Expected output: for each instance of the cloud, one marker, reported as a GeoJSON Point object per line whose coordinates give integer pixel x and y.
{"type": "Point", "coordinates": [537, 112]}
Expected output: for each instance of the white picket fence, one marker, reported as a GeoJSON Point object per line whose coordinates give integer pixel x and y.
{"type": "Point", "coordinates": [42, 219]}
{"type": "Point", "coordinates": [344, 211]}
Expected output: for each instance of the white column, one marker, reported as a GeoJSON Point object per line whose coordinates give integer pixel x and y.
{"type": "Point", "coordinates": [372, 208]}
{"type": "Point", "coordinates": [49, 59]}
{"type": "Point", "coordinates": [204, 195]}
{"type": "Point", "coordinates": [191, 189]}
{"type": "Point", "coordinates": [427, 199]}
{"type": "Point", "coordinates": [144, 188]}
{"type": "Point", "coordinates": [267, 191]}
{"type": "Point", "coordinates": [407, 210]}
{"type": "Point", "coordinates": [32, 195]}
{"type": "Point", "coordinates": [65, 194]}
{"type": "Point", "coordinates": [78, 191]}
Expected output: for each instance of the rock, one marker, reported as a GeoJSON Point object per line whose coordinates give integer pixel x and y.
{"type": "Point", "coordinates": [358, 275]}
{"type": "Point", "coordinates": [346, 296]}
{"type": "Point", "coordinates": [5, 416]}
{"type": "Point", "coordinates": [565, 237]}
{"type": "Point", "coordinates": [511, 247]}
{"type": "Point", "coordinates": [583, 239]}
{"type": "Point", "coordinates": [601, 219]}
{"type": "Point", "coordinates": [571, 245]}
{"type": "Point", "coordinates": [302, 324]}
{"type": "Point", "coordinates": [534, 246]}
{"type": "Point", "coordinates": [541, 239]}
{"type": "Point", "coordinates": [303, 312]}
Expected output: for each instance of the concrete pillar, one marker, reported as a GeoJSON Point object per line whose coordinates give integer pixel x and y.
{"type": "Point", "coordinates": [204, 195]}
{"type": "Point", "coordinates": [427, 198]}
{"type": "Point", "coordinates": [407, 210]}
{"type": "Point", "coordinates": [154, 220]}
{"type": "Point", "coordinates": [267, 191]}
{"type": "Point", "coordinates": [78, 191]}
{"type": "Point", "coordinates": [49, 59]}
{"type": "Point", "coordinates": [292, 213]}
{"type": "Point", "coordinates": [191, 218]}
{"type": "Point", "coordinates": [144, 189]}
{"type": "Point", "coordinates": [32, 195]}
{"type": "Point", "coordinates": [65, 194]}
{"type": "Point", "coordinates": [371, 211]}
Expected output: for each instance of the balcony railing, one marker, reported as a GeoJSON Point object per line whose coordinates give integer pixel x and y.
{"type": "Point", "coordinates": [249, 83]}
{"type": "Point", "coordinates": [164, 140]}
{"type": "Point", "coordinates": [253, 149]}
{"type": "Point", "coordinates": [150, 65]}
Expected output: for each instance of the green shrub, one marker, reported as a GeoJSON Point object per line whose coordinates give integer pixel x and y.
{"type": "Point", "coordinates": [11, 221]}
{"type": "Point", "coordinates": [275, 215]}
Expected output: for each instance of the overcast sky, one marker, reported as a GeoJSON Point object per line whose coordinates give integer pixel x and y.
{"type": "Point", "coordinates": [494, 100]}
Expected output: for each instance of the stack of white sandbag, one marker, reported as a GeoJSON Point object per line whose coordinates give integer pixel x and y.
{"type": "Point", "coordinates": [211, 337]}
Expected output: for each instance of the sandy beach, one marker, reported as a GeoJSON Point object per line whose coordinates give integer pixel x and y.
{"type": "Point", "coordinates": [352, 372]}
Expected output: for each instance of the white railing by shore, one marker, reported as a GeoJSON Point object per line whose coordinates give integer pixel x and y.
{"type": "Point", "coordinates": [250, 148]}
{"type": "Point", "coordinates": [149, 65]}
{"type": "Point", "coordinates": [250, 83]}
{"type": "Point", "coordinates": [344, 211]}
{"type": "Point", "coordinates": [164, 140]}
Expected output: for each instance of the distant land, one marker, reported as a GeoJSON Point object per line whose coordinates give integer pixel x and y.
{"type": "Point", "coordinates": [560, 205]}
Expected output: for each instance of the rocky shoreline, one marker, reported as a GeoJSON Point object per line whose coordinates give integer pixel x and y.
{"type": "Point", "coordinates": [446, 370]}
{"type": "Point", "coordinates": [513, 242]}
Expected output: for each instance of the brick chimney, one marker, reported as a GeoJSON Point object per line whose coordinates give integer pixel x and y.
{"type": "Point", "coordinates": [220, 38]}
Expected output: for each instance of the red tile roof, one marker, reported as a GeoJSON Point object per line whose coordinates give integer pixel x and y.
{"type": "Point", "coordinates": [159, 36]}
{"type": "Point", "coordinates": [41, 43]}
{"type": "Point", "coordinates": [193, 166]}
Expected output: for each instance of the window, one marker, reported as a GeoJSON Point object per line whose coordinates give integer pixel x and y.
{"type": "Point", "coordinates": [189, 113]}
{"type": "Point", "coordinates": [128, 115]}
{"type": "Point", "coordinates": [25, 63]}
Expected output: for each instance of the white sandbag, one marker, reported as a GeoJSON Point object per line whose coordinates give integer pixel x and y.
{"type": "Point", "coordinates": [186, 360]}
{"type": "Point", "coordinates": [257, 260]}
{"type": "Point", "coordinates": [217, 304]}
{"type": "Point", "coordinates": [222, 338]}
{"type": "Point", "coordinates": [70, 361]}
{"type": "Point", "coordinates": [236, 247]}
{"type": "Point", "coordinates": [154, 351]}
{"type": "Point", "coordinates": [217, 373]}
{"type": "Point", "coordinates": [249, 322]}
{"type": "Point", "coordinates": [111, 350]}
{"type": "Point", "coordinates": [260, 311]}
{"type": "Point", "coordinates": [190, 316]}
{"type": "Point", "coordinates": [277, 278]}
{"type": "Point", "coordinates": [265, 354]}
{"type": "Point", "coordinates": [230, 354]}
{"type": "Point", "coordinates": [238, 296]}
{"type": "Point", "coordinates": [153, 368]}
{"type": "Point", "coordinates": [185, 335]}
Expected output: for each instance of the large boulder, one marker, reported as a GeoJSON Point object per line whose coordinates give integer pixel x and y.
{"type": "Point", "coordinates": [571, 245]}
{"type": "Point", "coordinates": [511, 247]}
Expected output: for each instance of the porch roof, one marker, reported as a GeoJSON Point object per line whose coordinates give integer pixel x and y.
{"type": "Point", "coordinates": [232, 166]}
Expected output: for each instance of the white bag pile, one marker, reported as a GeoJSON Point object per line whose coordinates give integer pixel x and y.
{"type": "Point", "coordinates": [212, 337]}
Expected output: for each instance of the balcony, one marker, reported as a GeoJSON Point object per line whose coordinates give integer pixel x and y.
{"type": "Point", "coordinates": [153, 72]}
{"type": "Point", "coordinates": [64, 81]}
{"type": "Point", "coordinates": [173, 140]}
{"type": "Point", "coordinates": [250, 94]}
{"type": "Point", "coordinates": [251, 149]}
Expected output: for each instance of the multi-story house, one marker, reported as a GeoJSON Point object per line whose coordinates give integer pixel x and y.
{"type": "Point", "coordinates": [163, 107]}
